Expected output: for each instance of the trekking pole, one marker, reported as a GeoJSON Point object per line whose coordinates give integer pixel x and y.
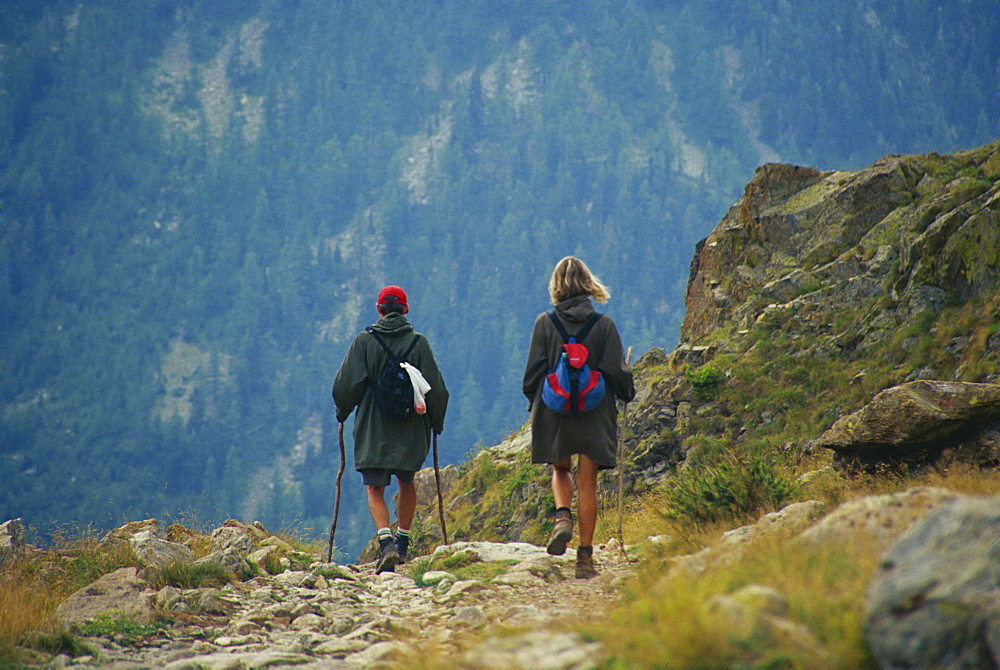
{"type": "Point", "coordinates": [437, 477]}
{"type": "Point", "coordinates": [621, 466]}
{"type": "Point", "coordinates": [336, 504]}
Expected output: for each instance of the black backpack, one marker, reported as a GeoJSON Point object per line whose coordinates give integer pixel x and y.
{"type": "Point", "coordinates": [393, 388]}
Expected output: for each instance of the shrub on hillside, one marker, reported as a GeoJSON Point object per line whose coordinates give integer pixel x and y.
{"type": "Point", "coordinates": [731, 487]}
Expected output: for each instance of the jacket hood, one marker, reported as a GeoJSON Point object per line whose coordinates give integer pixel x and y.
{"type": "Point", "coordinates": [392, 324]}
{"type": "Point", "coordinates": [576, 309]}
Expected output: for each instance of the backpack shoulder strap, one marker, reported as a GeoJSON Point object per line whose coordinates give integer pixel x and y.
{"type": "Point", "coordinates": [409, 349]}
{"type": "Point", "coordinates": [594, 318]}
{"type": "Point", "coordinates": [371, 331]}
{"type": "Point", "coordinates": [588, 324]}
{"type": "Point", "coordinates": [559, 326]}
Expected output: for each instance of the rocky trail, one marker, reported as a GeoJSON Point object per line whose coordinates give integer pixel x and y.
{"type": "Point", "coordinates": [329, 615]}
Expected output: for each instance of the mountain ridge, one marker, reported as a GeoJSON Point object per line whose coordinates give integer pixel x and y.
{"type": "Point", "coordinates": [776, 346]}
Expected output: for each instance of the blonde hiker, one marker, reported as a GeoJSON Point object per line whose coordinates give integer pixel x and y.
{"type": "Point", "coordinates": [589, 434]}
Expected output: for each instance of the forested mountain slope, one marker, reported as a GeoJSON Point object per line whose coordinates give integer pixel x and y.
{"type": "Point", "coordinates": [200, 200]}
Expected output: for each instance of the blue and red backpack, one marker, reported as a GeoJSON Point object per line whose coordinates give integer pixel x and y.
{"type": "Point", "coordinates": [573, 387]}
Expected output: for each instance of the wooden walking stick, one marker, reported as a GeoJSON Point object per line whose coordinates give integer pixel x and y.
{"type": "Point", "coordinates": [336, 504]}
{"type": "Point", "coordinates": [621, 466]}
{"type": "Point", "coordinates": [437, 477]}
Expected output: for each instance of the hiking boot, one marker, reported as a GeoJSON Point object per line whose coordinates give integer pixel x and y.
{"type": "Point", "coordinates": [388, 557]}
{"type": "Point", "coordinates": [402, 546]}
{"type": "Point", "coordinates": [561, 535]}
{"type": "Point", "coordinates": [585, 563]}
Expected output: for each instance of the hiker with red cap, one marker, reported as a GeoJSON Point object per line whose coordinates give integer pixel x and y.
{"type": "Point", "coordinates": [390, 438]}
{"type": "Point", "coordinates": [575, 416]}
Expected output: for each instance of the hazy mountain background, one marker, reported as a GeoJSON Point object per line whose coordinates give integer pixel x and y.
{"type": "Point", "coordinates": [199, 201]}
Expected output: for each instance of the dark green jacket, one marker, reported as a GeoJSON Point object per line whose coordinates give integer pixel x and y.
{"type": "Point", "coordinates": [555, 437]}
{"type": "Point", "coordinates": [382, 441]}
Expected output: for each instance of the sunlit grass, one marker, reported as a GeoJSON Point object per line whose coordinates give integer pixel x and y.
{"type": "Point", "coordinates": [670, 621]}
{"type": "Point", "coordinates": [27, 603]}
{"type": "Point", "coordinates": [665, 619]}
{"type": "Point", "coordinates": [32, 587]}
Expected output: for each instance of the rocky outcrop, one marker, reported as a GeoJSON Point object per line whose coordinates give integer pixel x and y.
{"type": "Point", "coordinates": [915, 232]}
{"type": "Point", "coordinates": [918, 422]}
{"type": "Point", "coordinates": [936, 599]}
{"type": "Point", "coordinates": [11, 539]}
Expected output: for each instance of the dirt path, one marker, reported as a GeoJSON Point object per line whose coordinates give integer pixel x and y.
{"type": "Point", "coordinates": [345, 616]}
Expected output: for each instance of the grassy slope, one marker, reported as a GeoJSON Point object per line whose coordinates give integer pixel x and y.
{"type": "Point", "coordinates": [759, 400]}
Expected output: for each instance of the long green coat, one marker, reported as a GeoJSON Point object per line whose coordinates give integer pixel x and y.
{"type": "Point", "coordinates": [382, 441]}
{"type": "Point", "coordinates": [554, 436]}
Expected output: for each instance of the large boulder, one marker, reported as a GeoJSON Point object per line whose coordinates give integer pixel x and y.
{"type": "Point", "coordinates": [935, 601]}
{"type": "Point", "coordinates": [242, 537]}
{"type": "Point", "coordinates": [154, 552]}
{"type": "Point", "coordinates": [875, 521]}
{"type": "Point", "coordinates": [124, 534]}
{"type": "Point", "coordinates": [919, 421]}
{"type": "Point", "coordinates": [119, 592]}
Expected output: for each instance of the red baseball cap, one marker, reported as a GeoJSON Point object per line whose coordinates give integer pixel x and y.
{"type": "Point", "coordinates": [397, 293]}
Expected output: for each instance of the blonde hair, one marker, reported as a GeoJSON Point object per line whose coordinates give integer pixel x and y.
{"type": "Point", "coordinates": [571, 277]}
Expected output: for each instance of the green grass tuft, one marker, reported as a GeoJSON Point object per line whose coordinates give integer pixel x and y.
{"type": "Point", "coordinates": [120, 627]}
{"type": "Point", "coordinates": [189, 576]}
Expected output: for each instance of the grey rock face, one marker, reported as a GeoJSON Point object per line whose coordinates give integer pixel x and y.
{"type": "Point", "coordinates": [234, 535]}
{"type": "Point", "coordinates": [918, 421]}
{"type": "Point", "coordinates": [11, 539]}
{"type": "Point", "coordinates": [936, 599]}
{"type": "Point", "coordinates": [154, 552]}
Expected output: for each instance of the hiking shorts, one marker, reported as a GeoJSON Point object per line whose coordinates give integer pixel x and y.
{"type": "Point", "coordinates": [383, 476]}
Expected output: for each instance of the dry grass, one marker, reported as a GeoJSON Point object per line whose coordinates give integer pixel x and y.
{"type": "Point", "coordinates": [672, 624]}
{"type": "Point", "coordinates": [665, 619]}
{"type": "Point", "coordinates": [32, 587]}
{"type": "Point", "coordinates": [27, 603]}
{"type": "Point", "coordinates": [834, 488]}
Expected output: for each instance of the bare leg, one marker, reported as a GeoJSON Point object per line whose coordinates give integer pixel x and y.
{"type": "Point", "coordinates": [406, 504]}
{"type": "Point", "coordinates": [586, 491]}
{"type": "Point", "coordinates": [562, 491]}
{"type": "Point", "coordinates": [562, 483]}
{"type": "Point", "coordinates": [376, 505]}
